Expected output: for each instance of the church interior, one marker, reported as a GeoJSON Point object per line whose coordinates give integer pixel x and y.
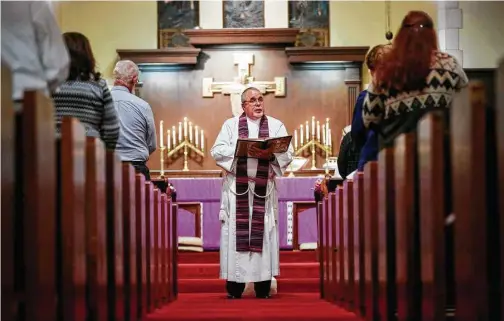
{"type": "Point", "coordinates": [418, 235]}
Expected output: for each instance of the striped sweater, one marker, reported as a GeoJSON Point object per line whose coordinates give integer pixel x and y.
{"type": "Point", "coordinates": [91, 103]}
{"type": "Point", "coordinates": [390, 110]}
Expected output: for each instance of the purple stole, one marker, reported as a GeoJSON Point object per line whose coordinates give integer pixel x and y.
{"type": "Point", "coordinates": [242, 197]}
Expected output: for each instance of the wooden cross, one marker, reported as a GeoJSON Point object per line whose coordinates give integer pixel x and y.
{"type": "Point", "coordinates": [244, 80]}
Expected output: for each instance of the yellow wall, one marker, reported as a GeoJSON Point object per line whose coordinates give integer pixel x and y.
{"type": "Point", "coordinates": [133, 25]}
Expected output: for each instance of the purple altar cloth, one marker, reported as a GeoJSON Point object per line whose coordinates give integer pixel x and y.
{"type": "Point", "coordinates": [208, 192]}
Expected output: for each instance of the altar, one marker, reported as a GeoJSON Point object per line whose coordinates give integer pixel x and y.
{"type": "Point", "coordinates": [207, 191]}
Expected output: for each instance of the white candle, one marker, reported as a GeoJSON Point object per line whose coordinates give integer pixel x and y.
{"type": "Point", "coordinates": [295, 139]}
{"type": "Point", "coordinates": [307, 132]}
{"type": "Point", "coordinates": [313, 126]}
{"type": "Point", "coordinates": [180, 131]}
{"type": "Point", "coordinates": [168, 140]}
{"type": "Point", "coordinates": [202, 140]}
{"type": "Point", "coordinates": [318, 131]}
{"type": "Point", "coordinates": [196, 136]}
{"type": "Point", "coordinates": [329, 138]}
{"type": "Point", "coordinates": [185, 127]}
{"type": "Point", "coordinates": [323, 135]}
{"type": "Point", "coordinates": [174, 135]}
{"type": "Point", "coordinates": [190, 132]}
{"type": "Point", "coordinates": [161, 133]}
{"type": "Point", "coordinates": [301, 136]}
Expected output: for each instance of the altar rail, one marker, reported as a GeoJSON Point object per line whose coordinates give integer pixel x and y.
{"type": "Point", "coordinates": [83, 236]}
{"type": "Point", "coordinates": [419, 235]}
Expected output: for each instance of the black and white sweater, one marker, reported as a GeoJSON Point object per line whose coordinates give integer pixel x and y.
{"type": "Point", "coordinates": [387, 110]}
{"type": "Point", "coordinates": [91, 103]}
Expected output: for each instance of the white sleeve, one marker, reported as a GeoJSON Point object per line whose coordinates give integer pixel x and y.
{"type": "Point", "coordinates": [223, 149]}
{"type": "Point", "coordinates": [282, 160]}
{"type": "Point", "coordinates": [52, 49]}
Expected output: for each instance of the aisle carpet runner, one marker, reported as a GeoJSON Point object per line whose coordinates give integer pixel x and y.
{"type": "Point", "coordinates": [202, 295]}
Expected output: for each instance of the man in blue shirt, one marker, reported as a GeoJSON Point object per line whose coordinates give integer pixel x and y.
{"type": "Point", "coordinates": [137, 138]}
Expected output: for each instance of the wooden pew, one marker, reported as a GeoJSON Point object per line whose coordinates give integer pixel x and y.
{"type": "Point", "coordinates": [499, 120]}
{"type": "Point", "coordinates": [349, 245]}
{"type": "Point", "coordinates": [129, 206]}
{"type": "Point", "coordinates": [475, 206]}
{"type": "Point", "coordinates": [8, 150]}
{"type": "Point", "coordinates": [320, 247]}
{"type": "Point", "coordinates": [371, 241]}
{"type": "Point", "coordinates": [332, 253]}
{"type": "Point", "coordinates": [96, 230]}
{"type": "Point", "coordinates": [386, 236]}
{"type": "Point", "coordinates": [35, 219]}
{"type": "Point", "coordinates": [326, 246]}
{"type": "Point", "coordinates": [339, 279]}
{"type": "Point", "coordinates": [174, 250]}
{"type": "Point", "coordinates": [115, 242]}
{"type": "Point", "coordinates": [359, 245]}
{"type": "Point", "coordinates": [142, 257]}
{"type": "Point", "coordinates": [434, 190]}
{"type": "Point", "coordinates": [71, 218]}
{"type": "Point", "coordinates": [74, 223]}
{"type": "Point", "coordinates": [149, 244]}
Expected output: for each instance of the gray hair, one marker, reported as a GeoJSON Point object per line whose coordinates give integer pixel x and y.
{"type": "Point", "coordinates": [125, 70]}
{"type": "Point", "coordinates": [245, 91]}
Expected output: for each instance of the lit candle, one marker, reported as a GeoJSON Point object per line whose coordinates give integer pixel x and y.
{"type": "Point", "coordinates": [318, 131]}
{"type": "Point", "coordinates": [174, 135]}
{"type": "Point", "coordinates": [324, 134]}
{"type": "Point", "coordinates": [185, 127]}
{"type": "Point", "coordinates": [295, 139]}
{"type": "Point", "coordinates": [196, 136]}
{"type": "Point", "coordinates": [301, 136]}
{"type": "Point", "coordinates": [168, 140]}
{"type": "Point", "coordinates": [190, 132]}
{"type": "Point", "coordinates": [180, 131]}
{"type": "Point", "coordinates": [313, 126]}
{"type": "Point", "coordinates": [161, 133]}
{"type": "Point", "coordinates": [307, 132]}
{"type": "Point", "coordinates": [329, 140]}
{"type": "Point", "coordinates": [202, 140]}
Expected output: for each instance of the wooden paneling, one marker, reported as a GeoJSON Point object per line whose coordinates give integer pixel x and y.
{"type": "Point", "coordinates": [312, 90]}
{"type": "Point", "coordinates": [187, 56]}
{"type": "Point", "coordinates": [242, 36]}
{"type": "Point", "coordinates": [8, 182]}
{"type": "Point", "coordinates": [316, 54]}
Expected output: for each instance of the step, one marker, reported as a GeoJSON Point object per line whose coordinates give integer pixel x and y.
{"type": "Point", "coordinates": [211, 270]}
{"type": "Point", "coordinates": [285, 285]}
{"type": "Point", "coordinates": [213, 257]}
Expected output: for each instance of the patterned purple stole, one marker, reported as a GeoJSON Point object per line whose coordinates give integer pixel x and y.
{"type": "Point", "coordinates": [242, 196]}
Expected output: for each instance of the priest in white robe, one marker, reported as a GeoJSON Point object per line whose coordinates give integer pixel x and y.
{"type": "Point", "coordinates": [249, 246]}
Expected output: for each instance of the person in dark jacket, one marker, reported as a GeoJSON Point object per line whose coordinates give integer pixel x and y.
{"type": "Point", "coordinates": [348, 157]}
{"type": "Point", "coordinates": [365, 140]}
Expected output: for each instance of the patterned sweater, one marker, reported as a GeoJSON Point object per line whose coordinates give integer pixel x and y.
{"type": "Point", "coordinates": [390, 110]}
{"type": "Point", "coordinates": [91, 103]}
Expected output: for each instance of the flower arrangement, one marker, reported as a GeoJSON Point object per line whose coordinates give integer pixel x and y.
{"type": "Point", "coordinates": [171, 192]}
{"type": "Point", "coordinates": [320, 189]}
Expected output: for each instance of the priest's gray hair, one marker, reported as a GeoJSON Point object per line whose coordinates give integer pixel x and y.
{"type": "Point", "coordinates": [125, 70]}
{"type": "Point", "coordinates": [244, 93]}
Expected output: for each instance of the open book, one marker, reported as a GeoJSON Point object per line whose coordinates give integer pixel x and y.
{"type": "Point", "coordinates": [278, 145]}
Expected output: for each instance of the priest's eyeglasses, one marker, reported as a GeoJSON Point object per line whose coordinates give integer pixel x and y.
{"type": "Point", "coordinates": [254, 100]}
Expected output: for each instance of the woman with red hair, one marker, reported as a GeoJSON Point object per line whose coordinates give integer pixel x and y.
{"type": "Point", "coordinates": [414, 77]}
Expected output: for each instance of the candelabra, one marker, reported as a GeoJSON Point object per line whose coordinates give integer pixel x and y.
{"type": "Point", "coordinates": [186, 138]}
{"type": "Point", "coordinates": [312, 139]}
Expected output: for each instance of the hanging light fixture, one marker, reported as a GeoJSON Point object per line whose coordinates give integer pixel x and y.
{"type": "Point", "coordinates": [388, 34]}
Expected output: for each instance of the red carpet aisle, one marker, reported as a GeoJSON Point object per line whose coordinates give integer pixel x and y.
{"type": "Point", "coordinates": [202, 295]}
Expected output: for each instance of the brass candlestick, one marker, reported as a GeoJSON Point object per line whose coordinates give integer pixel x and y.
{"type": "Point", "coordinates": [162, 148]}
{"type": "Point", "coordinates": [312, 139]}
{"type": "Point", "coordinates": [187, 139]}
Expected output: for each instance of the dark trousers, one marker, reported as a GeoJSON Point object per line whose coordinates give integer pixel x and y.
{"type": "Point", "coordinates": [236, 289]}
{"type": "Point", "coordinates": [141, 168]}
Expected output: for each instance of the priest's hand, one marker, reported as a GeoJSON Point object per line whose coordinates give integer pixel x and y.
{"type": "Point", "coordinates": [265, 154]}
